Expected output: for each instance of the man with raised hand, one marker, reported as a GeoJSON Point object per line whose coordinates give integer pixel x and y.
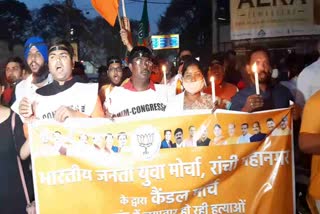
{"type": "Point", "coordinates": [36, 56]}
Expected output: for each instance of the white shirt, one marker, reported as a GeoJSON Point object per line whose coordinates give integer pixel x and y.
{"type": "Point", "coordinates": [125, 103]}
{"type": "Point", "coordinates": [81, 97]}
{"type": "Point", "coordinates": [308, 82]}
{"type": "Point", "coordinates": [181, 145]}
{"type": "Point", "coordinates": [244, 138]}
{"type": "Point", "coordinates": [26, 88]}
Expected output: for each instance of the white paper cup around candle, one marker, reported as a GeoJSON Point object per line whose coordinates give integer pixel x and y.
{"type": "Point", "coordinates": [213, 89]}
{"type": "Point", "coordinates": [256, 78]}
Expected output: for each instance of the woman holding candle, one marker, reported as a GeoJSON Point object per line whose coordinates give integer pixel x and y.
{"type": "Point", "coordinates": [193, 83]}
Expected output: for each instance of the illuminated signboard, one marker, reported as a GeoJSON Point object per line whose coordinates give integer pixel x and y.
{"type": "Point", "coordinates": [160, 42]}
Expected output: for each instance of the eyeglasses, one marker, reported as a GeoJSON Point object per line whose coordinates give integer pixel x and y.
{"type": "Point", "coordinates": [112, 70]}
{"type": "Point", "coordinates": [142, 61]}
{"type": "Point", "coordinates": [189, 77]}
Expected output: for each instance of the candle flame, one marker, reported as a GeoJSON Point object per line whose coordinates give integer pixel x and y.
{"type": "Point", "coordinates": [163, 68]}
{"type": "Point", "coordinates": [212, 79]}
{"type": "Point", "coordinates": [254, 67]}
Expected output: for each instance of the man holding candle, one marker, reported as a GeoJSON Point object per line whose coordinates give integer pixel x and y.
{"type": "Point", "coordinates": [262, 94]}
{"type": "Point", "coordinates": [222, 91]}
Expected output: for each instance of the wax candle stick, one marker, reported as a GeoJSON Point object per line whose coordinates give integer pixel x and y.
{"type": "Point", "coordinates": [213, 89]}
{"type": "Point", "coordinates": [164, 70]}
{"type": "Point", "coordinates": [256, 77]}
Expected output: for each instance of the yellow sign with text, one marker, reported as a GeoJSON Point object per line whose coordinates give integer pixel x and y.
{"type": "Point", "coordinates": [273, 18]}
{"type": "Point", "coordinates": [227, 162]}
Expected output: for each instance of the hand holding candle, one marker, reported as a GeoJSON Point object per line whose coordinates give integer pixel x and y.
{"type": "Point", "coordinates": [256, 77]}
{"type": "Point", "coordinates": [213, 89]}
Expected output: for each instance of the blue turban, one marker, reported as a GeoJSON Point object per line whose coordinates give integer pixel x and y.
{"type": "Point", "coordinates": [39, 43]}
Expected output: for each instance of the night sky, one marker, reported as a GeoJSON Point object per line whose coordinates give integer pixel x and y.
{"type": "Point", "coordinates": [134, 9]}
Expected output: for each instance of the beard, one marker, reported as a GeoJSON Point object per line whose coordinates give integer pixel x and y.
{"type": "Point", "coordinates": [266, 80]}
{"type": "Point", "coordinates": [41, 75]}
{"type": "Point", "coordinates": [264, 77]}
{"type": "Point", "coordinates": [11, 79]}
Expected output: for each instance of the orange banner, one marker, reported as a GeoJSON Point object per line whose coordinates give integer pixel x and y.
{"type": "Point", "coordinates": [95, 166]}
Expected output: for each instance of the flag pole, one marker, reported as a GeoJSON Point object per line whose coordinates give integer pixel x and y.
{"type": "Point", "coordinates": [121, 27]}
{"type": "Point", "coordinates": [123, 8]}
{"type": "Point", "coordinates": [120, 22]}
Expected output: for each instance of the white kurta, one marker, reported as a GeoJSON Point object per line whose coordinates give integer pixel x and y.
{"type": "Point", "coordinates": [27, 89]}
{"type": "Point", "coordinates": [81, 97]}
{"type": "Point", "coordinates": [308, 83]}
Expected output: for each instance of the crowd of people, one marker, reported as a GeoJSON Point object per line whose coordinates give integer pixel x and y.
{"type": "Point", "coordinates": [45, 86]}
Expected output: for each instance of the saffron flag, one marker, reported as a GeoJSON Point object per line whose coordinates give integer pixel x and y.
{"type": "Point", "coordinates": [144, 28]}
{"type": "Point", "coordinates": [108, 9]}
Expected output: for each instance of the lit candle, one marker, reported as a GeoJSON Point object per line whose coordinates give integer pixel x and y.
{"type": "Point", "coordinates": [164, 70]}
{"type": "Point", "coordinates": [213, 89]}
{"type": "Point", "coordinates": [256, 78]}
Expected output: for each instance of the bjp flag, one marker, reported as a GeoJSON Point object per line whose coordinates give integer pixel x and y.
{"type": "Point", "coordinates": [144, 28]}
{"type": "Point", "coordinates": [108, 9]}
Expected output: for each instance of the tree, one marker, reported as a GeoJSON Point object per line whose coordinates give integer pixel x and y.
{"type": "Point", "coordinates": [57, 19]}
{"type": "Point", "coordinates": [105, 41]}
{"type": "Point", "coordinates": [96, 38]}
{"type": "Point", "coordinates": [15, 21]}
{"type": "Point", "coordinates": [192, 20]}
